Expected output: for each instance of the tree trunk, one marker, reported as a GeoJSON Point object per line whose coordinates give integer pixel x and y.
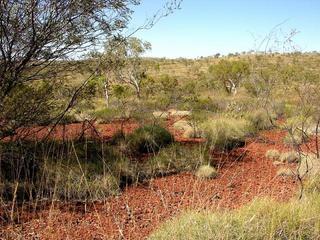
{"type": "Point", "coordinates": [106, 92]}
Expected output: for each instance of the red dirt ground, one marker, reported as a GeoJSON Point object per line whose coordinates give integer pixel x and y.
{"type": "Point", "coordinates": [140, 209]}
{"type": "Point", "coordinates": [89, 129]}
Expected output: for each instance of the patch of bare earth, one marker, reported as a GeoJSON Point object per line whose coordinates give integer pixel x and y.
{"type": "Point", "coordinates": [138, 211]}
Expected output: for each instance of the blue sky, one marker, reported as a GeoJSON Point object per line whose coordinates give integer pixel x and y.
{"type": "Point", "coordinates": [206, 27]}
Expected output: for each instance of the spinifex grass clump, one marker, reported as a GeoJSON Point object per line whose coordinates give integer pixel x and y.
{"type": "Point", "coordinates": [148, 139]}
{"type": "Point", "coordinates": [206, 172]}
{"type": "Point", "coordinates": [273, 154]}
{"type": "Point", "coordinates": [290, 157]}
{"type": "Point", "coordinates": [260, 120]}
{"type": "Point", "coordinates": [176, 158]}
{"type": "Point", "coordinates": [226, 133]}
{"type": "Point", "coordinates": [261, 219]}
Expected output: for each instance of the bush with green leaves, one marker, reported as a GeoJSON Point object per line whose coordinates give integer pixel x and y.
{"type": "Point", "coordinates": [148, 139]}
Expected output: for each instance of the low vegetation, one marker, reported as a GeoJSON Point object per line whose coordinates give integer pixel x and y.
{"type": "Point", "coordinates": [289, 157]}
{"type": "Point", "coordinates": [226, 133]}
{"type": "Point", "coordinates": [273, 154]}
{"type": "Point", "coordinates": [148, 139]}
{"type": "Point", "coordinates": [206, 172]}
{"type": "Point", "coordinates": [261, 219]}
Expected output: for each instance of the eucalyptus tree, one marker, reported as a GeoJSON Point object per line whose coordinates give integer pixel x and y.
{"type": "Point", "coordinates": [230, 73]}
{"type": "Point", "coordinates": [122, 63]}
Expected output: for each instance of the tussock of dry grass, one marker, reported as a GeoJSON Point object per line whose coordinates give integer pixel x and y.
{"type": "Point", "coordinates": [261, 219]}
{"type": "Point", "coordinates": [289, 157]}
{"type": "Point", "coordinates": [273, 154]}
{"type": "Point", "coordinates": [206, 171]}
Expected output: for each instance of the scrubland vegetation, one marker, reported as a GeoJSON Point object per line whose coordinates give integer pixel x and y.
{"type": "Point", "coordinates": [173, 116]}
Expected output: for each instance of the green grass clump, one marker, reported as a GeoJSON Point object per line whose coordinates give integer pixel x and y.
{"type": "Point", "coordinates": [206, 171]}
{"type": "Point", "coordinates": [273, 154]}
{"type": "Point", "coordinates": [260, 120]}
{"type": "Point", "coordinates": [176, 158]}
{"type": "Point", "coordinates": [226, 133]}
{"type": "Point", "coordinates": [148, 139]}
{"type": "Point", "coordinates": [261, 219]}
{"type": "Point", "coordinates": [78, 182]}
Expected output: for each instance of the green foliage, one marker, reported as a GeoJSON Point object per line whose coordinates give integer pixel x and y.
{"type": "Point", "coordinates": [148, 139]}
{"type": "Point", "coordinates": [226, 70]}
{"type": "Point", "coordinates": [62, 170]}
{"type": "Point", "coordinates": [176, 158]}
{"type": "Point", "coordinates": [226, 133]}
{"type": "Point", "coordinates": [79, 182]}
{"type": "Point", "coordinates": [106, 114]}
{"type": "Point", "coordinates": [260, 120]}
{"type": "Point", "coordinates": [27, 105]}
{"type": "Point", "coordinates": [261, 219]}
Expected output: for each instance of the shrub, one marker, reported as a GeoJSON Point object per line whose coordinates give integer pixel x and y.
{"type": "Point", "coordinates": [226, 134]}
{"type": "Point", "coordinates": [206, 171]}
{"type": "Point", "coordinates": [289, 157]}
{"type": "Point", "coordinates": [273, 154]}
{"type": "Point", "coordinates": [299, 129]}
{"type": "Point", "coordinates": [261, 219]}
{"type": "Point", "coordinates": [117, 138]}
{"type": "Point", "coordinates": [106, 114]}
{"type": "Point", "coordinates": [149, 139]}
{"type": "Point", "coordinates": [260, 120]}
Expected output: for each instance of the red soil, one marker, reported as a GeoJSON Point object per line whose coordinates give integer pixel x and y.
{"type": "Point", "coordinates": [140, 209]}
{"type": "Point", "coordinates": [89, 129]}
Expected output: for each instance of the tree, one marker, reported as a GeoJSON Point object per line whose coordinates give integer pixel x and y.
{"type": "Point", "coordinates": [230, 73]}
{"type": "Point", "coordinates": [37, 36]}
{"type": "Point", "coordinates": [122, 63]}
